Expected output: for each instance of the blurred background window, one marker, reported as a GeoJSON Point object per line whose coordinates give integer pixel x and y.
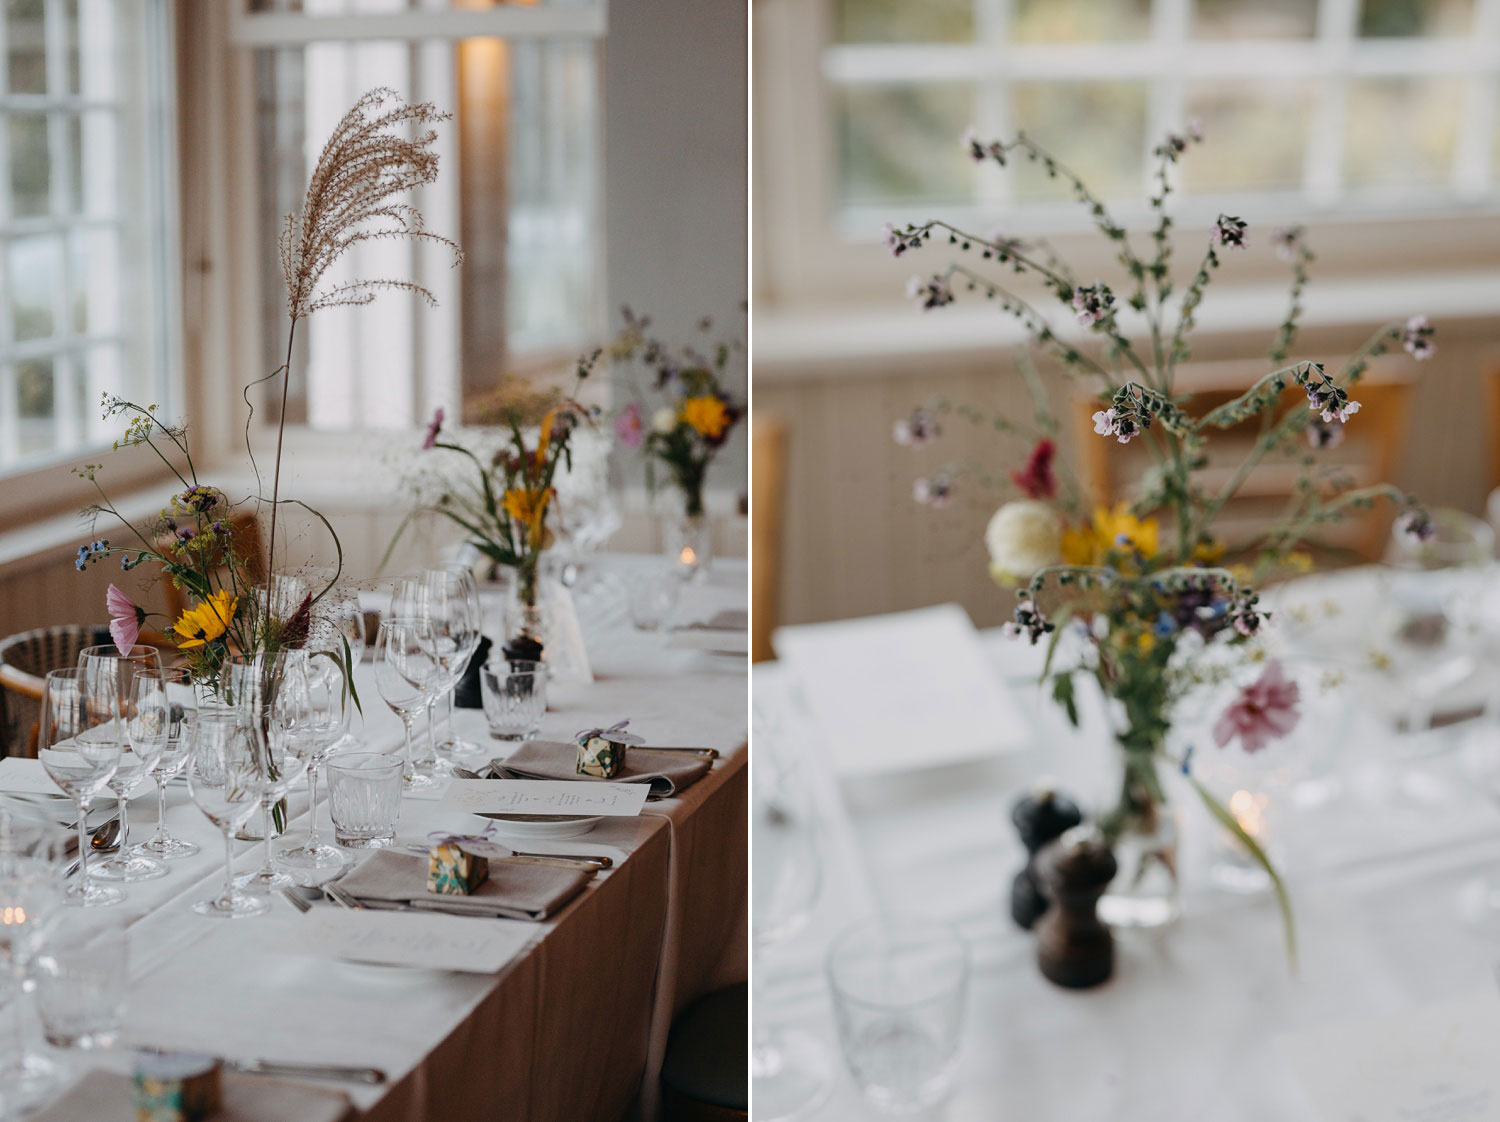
{"type": "Point", "coordinates": [86, 221]}
{"type": "Point", "coordinates": [1298, 99]}
{"type": "Point", "coordinates": [521, 197]}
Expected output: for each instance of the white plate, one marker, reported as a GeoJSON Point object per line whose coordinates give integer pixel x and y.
{"type": "Point", "coordinates": [542, 825]}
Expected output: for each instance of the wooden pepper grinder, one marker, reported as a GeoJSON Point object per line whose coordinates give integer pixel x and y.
{"type": "Point", "coordinates": [1074, 948]}
{"type": "Point", "coordinates": [1042, 815]}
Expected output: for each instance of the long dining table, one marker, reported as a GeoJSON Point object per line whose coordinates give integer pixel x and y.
{"type": "Point", "coordinates": [575, 1025]}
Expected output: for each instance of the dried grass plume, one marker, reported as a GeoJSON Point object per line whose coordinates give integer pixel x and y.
{"type": "Point", "coordinates": [353, 197]}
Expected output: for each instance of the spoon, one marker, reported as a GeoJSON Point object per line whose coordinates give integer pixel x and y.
{"type": "Point", "coordinates": [106, 838]}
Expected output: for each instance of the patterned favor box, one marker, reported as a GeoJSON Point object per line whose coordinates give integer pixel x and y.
{"type": "Point", "coordinates": [176, 1087]}
{"type": "Point", "coordinates": [456, 869]}
{"type": "Point", "coordinates": [598, 755]}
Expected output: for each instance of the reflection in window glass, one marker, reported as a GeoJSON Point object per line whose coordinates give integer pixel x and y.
{"type": "Point", "coordinates": [25, 46]}
{"type": "Point", "coordinates": [903, 21]}
{"type": "Point", "coordinates": [1098, 129]}
{"type": "Point", "coordinates": [1074, 21]}
{"type": "Point", "coordinates": [1255, 19]}
{"type": "Point", "coordinates": [902, 144]}
{"type": "Point", "coordinates": [1255, 136]}
{"type": "Point", "coordinates": [1402, 131]}
{"type": "Point", "coordinates": [1407, 19]}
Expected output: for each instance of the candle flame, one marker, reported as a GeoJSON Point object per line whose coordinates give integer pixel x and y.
{"type": "Point", "coordinates": [688, 556]}
{"type": "Point", "coordinates": [12, 915]}
{"type": "Point", "coordinates": [1249, 810]}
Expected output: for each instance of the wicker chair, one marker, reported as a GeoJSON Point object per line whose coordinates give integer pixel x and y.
{"type": "Point", "coordinates": [25, 660]}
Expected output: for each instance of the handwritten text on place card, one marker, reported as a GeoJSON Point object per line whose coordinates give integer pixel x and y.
{"type": "Point", "coordinates": [545, 796]}
{"type": "Point", "coordinates": [432, 942]}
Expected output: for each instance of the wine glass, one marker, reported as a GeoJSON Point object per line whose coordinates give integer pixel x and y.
{"type": "Point", "coordinates": [32, 849]}
{"type": "Point", "coordinates": [404, 674]}
{"type": "Point", "coordinates": [451, 606]}
{"type": "Point", "coordinates": [164, 701]}
{"type": "Point", "coordinates": [320, 722]}
{"type": "Point", "coordinates": [81, 754]}
{"type": "Point", "coordinates": [409, 601]}
{"type": "Point", "coordinates": [106, 668]}
{"type": "Point", "coordinates": [259, 688]}
{"type": "Point", "coordinates": [790, 1071]}
{"type": "Point", "coordinates": [227, 779]}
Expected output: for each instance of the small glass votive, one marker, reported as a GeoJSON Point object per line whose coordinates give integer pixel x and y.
{"type": "Point", "coordinates": [364, 798]}
{"type": "Point", "coordinates": [653, 599]}
{"type": "Point", "coordinates": [80, 989]}
{"type": "Point", "coordinates": [514, 692]}
{"type": "Point", "coordinates": [899, 990]}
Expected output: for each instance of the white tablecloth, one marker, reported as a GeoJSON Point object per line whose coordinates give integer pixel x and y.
{"type": "Point", "coordinates": [560, 1033]}
{"type": "Point", "coordinates": [1378, 836]}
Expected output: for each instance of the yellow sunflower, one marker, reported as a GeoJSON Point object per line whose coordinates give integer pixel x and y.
{"type": "Point", "coordinates": [707, 414]}
{"type": "Point", "coordinates": [1111, 531]}
{"type": "Point", "coordinates": [207, 621]}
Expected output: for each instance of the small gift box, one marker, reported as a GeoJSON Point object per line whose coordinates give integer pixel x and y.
{"type": "Point", "coordinates": [455, 869]}
{"type": "Point", "coordinates": [601, 752]}
{"type": "Point", "coordinates": [176, 1087]}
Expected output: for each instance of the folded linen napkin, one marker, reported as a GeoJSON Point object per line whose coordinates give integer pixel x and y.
{"type": "Point", "coordinates": [106, 1095]}
{"type": "Point", "coordinates": [730, 619]}
{"type": "Point", "coordinates": [668, 773]}
{"type": "Point", "coordinates": [514, 890]}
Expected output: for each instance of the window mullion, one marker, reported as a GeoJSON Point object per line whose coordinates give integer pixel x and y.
{"type": "Point", "coordinates": [1474, 156]}
{"type": "Point", "coordinates": [993, 116]}
{"type": "Point", "coordinates": [1323, 165]}
{"type": "Point", "coordinates": [1164, 103]}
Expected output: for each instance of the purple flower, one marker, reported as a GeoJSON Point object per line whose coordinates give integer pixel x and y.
{"type": "Point", "coordinates": [934, 491]}
{"type": "Point", "coordinates": [1028, 621]}
{"type": "Point", "coordinates": [1243, 614]}
{"type": "Point", "coordinates": [1286, 241]}
{"type": "Point", "coordinates": [1229, 231]}
{"type": "Point", "coordinates": [434, 427]}
{"type": "Point", "coordinates": [1326, 399]}
{"type": "Point", "coordinates": [930, 293]}
{"type": "Point", "coordinates": [125, 619]}
{"type": "Point", "coordinates": [918, 429]}
{"type": "Point", "coordinates": [1321, 434]}
{"type": "Point", "coordinates": [629, 427]}
{"type": "Point", "coordinates": [899, 241]}
{"type": "Point", "coordinates": [1195, 129]}
{"type": "Point", "coordinates": [1093, 303]}
{"type": "Point", "coordinates": [1418, 338]}
{"type": "Point", "coordinates": [1265, 710]}
{"type": "Point", "coordinates": [1112, 422]}
{"type": "Point", "coordinates": [1417, 523]}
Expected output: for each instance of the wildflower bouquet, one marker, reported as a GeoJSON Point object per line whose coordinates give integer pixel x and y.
{"type": "Point", "coordinates": [354, 196]}
{"type": "Point", "coordinates": [684, 413]}
{"type": "Point", "coordinates": [1143, 582]}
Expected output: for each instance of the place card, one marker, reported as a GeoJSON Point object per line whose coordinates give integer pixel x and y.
{"type": "Point", "coordinates": [425, 940]}
{"type": "Point", "coordinates": [545, 796]}
{"type": "Point", "coordinates": [20, 776]}
{"type": "Point", "coordinates": [1434, 1064]}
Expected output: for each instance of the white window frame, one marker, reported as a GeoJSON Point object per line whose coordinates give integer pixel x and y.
{"type": "Point", "coordinates": [805, 257]}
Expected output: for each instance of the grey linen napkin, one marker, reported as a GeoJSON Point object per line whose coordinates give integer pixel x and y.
{"type": "Point", "coordinates": [668, 772]}
{"type": "Point", "coordinates": [514, 890]}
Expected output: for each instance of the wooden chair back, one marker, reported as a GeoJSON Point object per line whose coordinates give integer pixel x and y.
{"type": "Point", "coordinates": [768, 436]}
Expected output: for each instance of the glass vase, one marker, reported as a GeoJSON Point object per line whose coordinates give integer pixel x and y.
{"type": "Point", "coordinates": [1143, 831]}
{"type": "Point", "coordinates": [525, 618]}
{"type": "Point", "coordinates": [688, 544]}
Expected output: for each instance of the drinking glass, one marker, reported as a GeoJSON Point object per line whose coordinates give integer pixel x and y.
{"type": "Point", "coordinates": [790, 1071]}
{"type": "Point", "coordinates": [454, 611]}
{"type": "Point", "coordinates": [899, 987]}
{"type": "Point", "coordinates": [514, 692]}
{"type": "Point", "coordinates": [163, 702]}
{"type": "Point", "coordinates": [653, 597]}
{"type": "Point", "coordinates": [364, 798]}
{"type": "Point", "coordinates": [404, 674]}
{"type": "Point", "coordinates": [227, 780]}
{"type": "Point", "coordinates": [31, 898]}
{"type": "Point", "coordinates": [108, 669]}
{"type": "Point", "coordinates": [81, 981]}
{"type": "Point", "coordinates": [322, 719]}
{"type": "Point", "coordinates": [80, 753]}
{"type": "Point", "coordinates": [409, 601]}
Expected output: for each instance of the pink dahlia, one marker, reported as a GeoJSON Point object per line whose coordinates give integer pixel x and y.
{"type": "Point", "coordinates": [1265, 710]}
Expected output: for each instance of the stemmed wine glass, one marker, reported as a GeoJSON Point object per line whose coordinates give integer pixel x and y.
{"type": "Point", "coordinates": [32, 849]}
{"type": "Point", "coordinates": [405, 674]}
{"type": "Point", "coordinates": [321, 720]}
{"type": "Point", "coordinates": [409, 602]}
{"type": "Point", "coordinates": [227, 778]}
{"type": "Point", "coordinates": [164, 701]}
{"type": "Point", "coordinates": [80, 753]}
{"type": "Point", "coordinates": [789, 1070]}
{"type": "Point", "coordinates": [451, 607]}
{"type": "Point", "coordinates": [106, 668]}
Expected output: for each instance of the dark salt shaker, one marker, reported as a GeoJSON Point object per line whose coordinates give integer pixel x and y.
{"type": "Point", "coordinates": [1041, 816]}
{"type": "Point", "coordinates": [1074, 948]}
{"type": "Point", "coordinates": [467, 694]}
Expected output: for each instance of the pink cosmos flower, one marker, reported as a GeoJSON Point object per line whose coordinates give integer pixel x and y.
{"type": "Point", "coordinates": [629, 427]}
{"type": "Point", "coordinates": [434, 427]}
{"type": "Point", "coordinates": [1265, 710]}
{"type": "Point", "coordinates": [125, 618]}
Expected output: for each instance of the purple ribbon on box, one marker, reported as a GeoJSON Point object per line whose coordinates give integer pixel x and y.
{"type": "Point", "coordinates": [616, 732]}
{"type": "Point", "coordinates": [437, 837]}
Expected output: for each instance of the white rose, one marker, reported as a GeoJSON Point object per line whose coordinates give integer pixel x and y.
{"type": "Point", "coordinates": [1022, 537]}
{"type": "Point", "coordinates": [664, 421]}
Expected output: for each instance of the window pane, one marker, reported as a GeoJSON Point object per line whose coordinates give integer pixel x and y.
{"type": "Point", "coordinates": [1402, 131]}
{"type": "Point", "coordinates": [902, 21]}
{"type": "Point", "coordinates": [1255, 136]}
{"type": "Point", "coordinates": [902, 144]}
{"type": "Point", "coordinates": [1098, 129]}
{"type": "Point", "coordinates": [35, 274]}
{"type": "Point", "coordinates": [34, 405]}
{"type": "Point", "coordinates": [1255, 19]}
{"type": "Point", "coordinates": [30, 165]}
{"type": "Point", "coordinates": [25, 42]}
{"type": "Point", "coordinates": [1072, 21]}
{"type": "Point", "coordinates": [1412, 18]}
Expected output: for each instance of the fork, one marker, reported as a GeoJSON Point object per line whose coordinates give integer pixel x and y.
{"type": "Point", "coordinates": [296, 901]}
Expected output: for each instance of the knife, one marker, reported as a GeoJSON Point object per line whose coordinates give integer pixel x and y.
{"type": "Point", "coordinates": [293, 1069]}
